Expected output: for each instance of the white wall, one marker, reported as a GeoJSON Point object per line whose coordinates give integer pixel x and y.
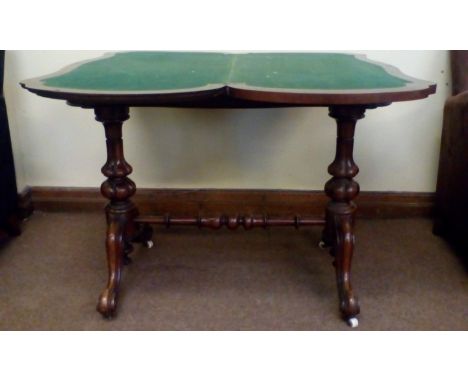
{"type": "Point", "coordinates": [397, 147]}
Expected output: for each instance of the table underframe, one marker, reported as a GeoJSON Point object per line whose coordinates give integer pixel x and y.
{"type": "Point", "coordinates": [126, 226]}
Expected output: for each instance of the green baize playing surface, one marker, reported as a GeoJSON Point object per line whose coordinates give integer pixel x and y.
{"type": "Point", "coordinates": [146, 71]}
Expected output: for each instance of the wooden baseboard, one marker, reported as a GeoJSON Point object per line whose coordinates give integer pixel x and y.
{"type": "Point", "coordinates": [235, 202]}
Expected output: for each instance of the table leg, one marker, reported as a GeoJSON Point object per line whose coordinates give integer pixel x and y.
{"type": "Point", "coordinates": [328, 232]}
{"type": "Point", "coordinates": [120, 211]}
{"type": "Point", "coordinates": [340, 213]}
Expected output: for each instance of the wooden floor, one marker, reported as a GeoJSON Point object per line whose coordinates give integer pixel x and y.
{"type": "Point", "coordinates": [276, 279]}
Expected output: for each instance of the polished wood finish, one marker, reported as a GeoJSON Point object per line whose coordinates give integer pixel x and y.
{"type": "Point", "coordinates": [341, 210]}
{"type": "Point", "coordinates": [209, 203]}
{"type": "Point", "coordinates": [238, 98]}
{"type": "Point", "coordinates": [231, 222]}
{"type": "Point", "coordinates": [120, 211]}
{"type": "Point", "coordinates": [125, 224]}
{"type": "Point", "coordinates": [232, 93]}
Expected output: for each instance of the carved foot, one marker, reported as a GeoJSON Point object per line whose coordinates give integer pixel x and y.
{"type": "Point", "coordinates": [107, 304]}
{"type": "Point", "coordinates": [349, 305]}
{"type": "Point", "coordinates": [115, 247]}
{"type": "Point", "coordinates": [343, 251]}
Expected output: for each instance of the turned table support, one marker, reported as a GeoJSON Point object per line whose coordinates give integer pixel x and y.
{"type": "Point", "coordinates": [120, 212]}
{"type": "Point", "coordinates": [340, 213]}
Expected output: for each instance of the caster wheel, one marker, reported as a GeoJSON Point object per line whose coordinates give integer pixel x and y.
{"type": "Point", "coordinates": [148, 244]}
{"type": "Point", "coordinates": [353, 322]}
{"type": "Point", "coordinates": [322, 245]}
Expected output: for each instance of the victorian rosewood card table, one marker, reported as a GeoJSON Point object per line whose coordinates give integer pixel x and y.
{"type": "Point", "coordinates": [347, 84]}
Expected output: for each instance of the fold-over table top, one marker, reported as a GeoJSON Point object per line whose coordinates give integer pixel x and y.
{"type": "Point", "coordinates": [182, 78]}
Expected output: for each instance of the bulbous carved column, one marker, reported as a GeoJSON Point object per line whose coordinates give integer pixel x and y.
{"type": "Point", "coordinates": [120, 211]}
{"type": "Point", "coordinates": [340, 213]}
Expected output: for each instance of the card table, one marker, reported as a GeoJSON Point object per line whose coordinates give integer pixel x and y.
{"type": "Point", "coordinates": [347, 84]}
